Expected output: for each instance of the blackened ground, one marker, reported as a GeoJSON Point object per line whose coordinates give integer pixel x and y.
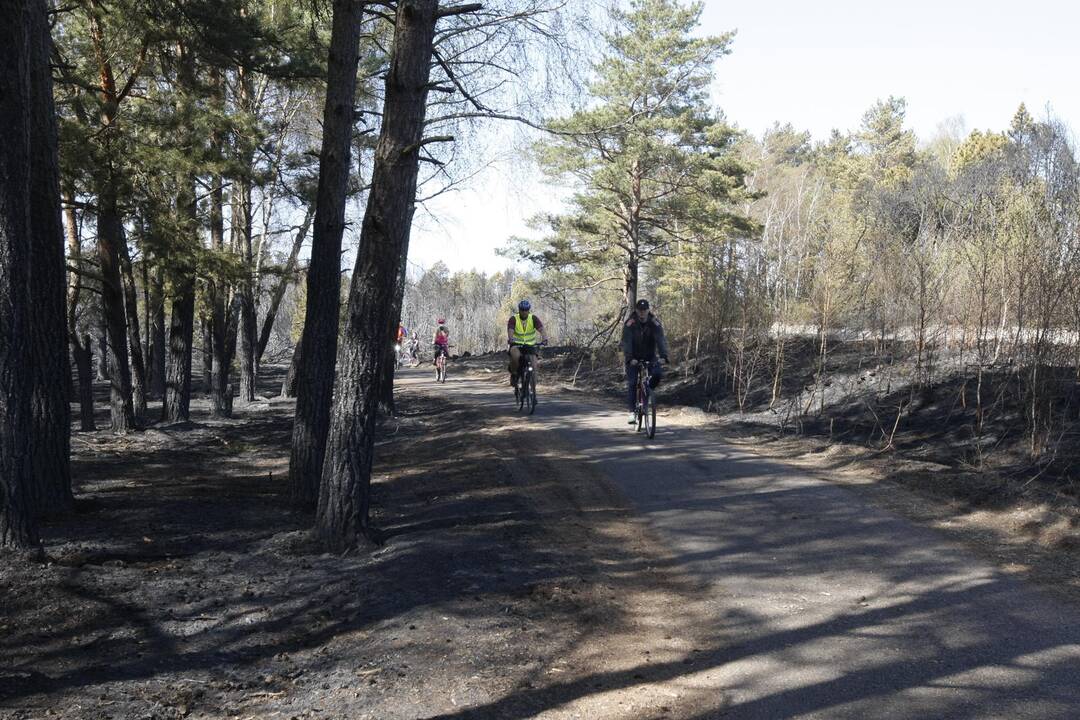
{"type": "Point", "coordinates": [183, 586]}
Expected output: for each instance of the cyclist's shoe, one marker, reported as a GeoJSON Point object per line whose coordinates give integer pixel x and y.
{"type": "Point", "coordinates": [633, 418]}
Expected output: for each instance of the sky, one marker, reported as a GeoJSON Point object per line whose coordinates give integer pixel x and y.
{"type": "Point", "coordinates": [818, 64]}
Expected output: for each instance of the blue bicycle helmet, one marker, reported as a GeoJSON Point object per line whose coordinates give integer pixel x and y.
{"type": "Point", "coordinates": [524, 306]}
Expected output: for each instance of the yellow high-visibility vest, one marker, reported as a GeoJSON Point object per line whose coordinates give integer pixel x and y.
{"type": "Point", "coordinates": [524, 332]}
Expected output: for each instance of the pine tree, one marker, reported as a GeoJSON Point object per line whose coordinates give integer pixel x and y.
{"type": "Point", "coordinates": [647, 149]}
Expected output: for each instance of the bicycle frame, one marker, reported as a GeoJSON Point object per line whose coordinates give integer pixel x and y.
{"type": "Point", "coordinates": [643, 389]}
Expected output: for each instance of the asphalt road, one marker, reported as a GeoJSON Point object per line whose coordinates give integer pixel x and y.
{"type": "Point", "coordinates": [822, 605]}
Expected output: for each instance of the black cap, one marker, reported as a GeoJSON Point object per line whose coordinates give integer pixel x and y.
{"type": "Point", "coordinates": [642, 304]}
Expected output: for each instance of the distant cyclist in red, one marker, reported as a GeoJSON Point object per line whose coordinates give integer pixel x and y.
{"type": "Point", "coordinates": [441, 340]}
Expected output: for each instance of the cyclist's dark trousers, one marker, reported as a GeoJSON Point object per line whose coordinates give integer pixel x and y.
{"type": "Point", "coordinates": [516, 353]}
{"type": "Point", "coordinates": [631, 380]}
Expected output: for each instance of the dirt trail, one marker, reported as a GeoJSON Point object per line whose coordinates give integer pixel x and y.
{"type": "Point", "coordinates": [821, 604]}
{"type": "Point", "coordinates": [511, 584]}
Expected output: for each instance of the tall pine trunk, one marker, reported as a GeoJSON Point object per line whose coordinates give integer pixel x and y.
{"type": "Point", "coordinates": [17, 529]}
{"type": "Point", "coordinates": [131, 311]}
{"type": "Point", "coordinates": [157, 331]}
{"type": "Point", "coordinates": [177, 404]}
{"type": "Point", "coordinates": [102, 339]}
{"type": "Point", "coordinates": [248, 329]}
{"type": "Point", "coordinates": [207, 354]}
{"type": "Point", "coordinates": [315, 383]}
{"type": "Point", "coordinates": [288, 385]}
{"type": "Point", "coordinates": [344, 500]}
{"type": "Point", "coordinates": [110, 235]}
{"type": "Point", "coordinates": [51, 367]}
{"type": "Point", "coordinates": [217, 290]}
{"type": "Point", "coordinates": [81, 348]}
{"type": "Point", "coordinates": [386, 382]}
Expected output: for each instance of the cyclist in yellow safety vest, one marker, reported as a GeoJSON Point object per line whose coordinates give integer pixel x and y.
{"type": "Point", "coordinates": [522, 330]}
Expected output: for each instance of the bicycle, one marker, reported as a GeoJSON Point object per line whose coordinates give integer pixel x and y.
{"type": "Point", "coordinates": [645, 409]}
{"type": "Point", "coordinates": [440, 363]}
{"type": "Point", "coordinates": [525, 383]}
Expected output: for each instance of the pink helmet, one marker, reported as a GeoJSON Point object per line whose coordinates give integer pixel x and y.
{"type": "Point", "coordinates": [441, 321]}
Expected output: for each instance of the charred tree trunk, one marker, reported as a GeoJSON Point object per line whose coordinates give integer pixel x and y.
{"type": "Point", "coordinates": [207, 354]}
{"type": "Point", "coordinates": [288, 387]}
{"type": "Point", "coordinates": [386, 382]}
{"type": "Point", "coordinates": [281, 286]}
{"type": "Point", "coordinates": [103, 344]}
{"type": "Point", "coordinates": [182, 325]}
{"type": "Point", "coordinates": [220, 393]}
{"type": "Point", "coordinates": [320, 338]}
{"type": "Point", "coordinates": [17, 529]}
{"type": "Point", "coordinates": [248, 323]}
{"type": "Point", "coordinates": [81, 349]}
{"type": "Point", "coordinates": [181, 331]}
{"type": "Point", "coordinates": [50, 408]}
{"type": "Point", "coordinates": [247, 342]}
{"type": "Point", "coordinates": [344, 500]}
{"type": "Point", "coordinates": [131, 311]}
{"type": "Point", "coordinates": [110, 235]}
{"type": "Point", "coordinates": [157, 331]}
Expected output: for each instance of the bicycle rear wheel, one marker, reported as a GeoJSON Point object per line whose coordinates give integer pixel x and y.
{"type": "Point", "coordinates": [532, 392]}
{"type": "Point", "coordinates": [639, 408]}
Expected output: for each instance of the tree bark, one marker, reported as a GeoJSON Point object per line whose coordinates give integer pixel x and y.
{"type": "Point", "coordinates": [288, 386]}
{"type": "Point", "coordinates": [386, 382]}
{"type": "Point", "coordinates": [207, 354]}
{"type": "Point", "coordinates": [344, 501]}
{"type": "Point", "coordinates": [81, 349]}
{"type": "Point", "coordinates": [320, 337]}
{"type": "Point", "coordinates": [17, 528]}
{"type": "Point", "coordinates": [50, 407]}
{"type": "Point", "coordinates": [182, 325]}
{"type": "Point", "coordinates": [181, 331]}
{"type": "Point", "coordinates": [110, 235]}
{"type": "Point", "coordinates": [131, 311]}
{"type": "Point", "coordinates": [157, 331]}
{"type": "Point", "coordinates": [103, 344]}
{"type": "Point", "coordinates": [220, 393]}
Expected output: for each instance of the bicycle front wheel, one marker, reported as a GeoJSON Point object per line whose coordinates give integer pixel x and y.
{"type": "Point", "coordinates": [649, 416]}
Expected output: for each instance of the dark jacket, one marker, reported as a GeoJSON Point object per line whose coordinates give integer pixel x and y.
{"type": "Point", "coordinates": [643, 340]}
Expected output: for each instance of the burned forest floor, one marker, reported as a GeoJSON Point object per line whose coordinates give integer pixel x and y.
{"type": "Point", "coordinates": [183, 586]}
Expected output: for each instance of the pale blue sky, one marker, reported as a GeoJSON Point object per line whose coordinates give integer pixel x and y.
{"type": "Point", "coordinates": [819, 65]}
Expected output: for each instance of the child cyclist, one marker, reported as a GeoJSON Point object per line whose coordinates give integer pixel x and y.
{"type": "Point", "coordinates": [441, 340]}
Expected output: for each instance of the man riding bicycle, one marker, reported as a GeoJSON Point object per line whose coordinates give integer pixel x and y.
{"type": "Point", "coordinates": [522, 330]}
{"type": "Point", "coordinates": [642, 339]}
